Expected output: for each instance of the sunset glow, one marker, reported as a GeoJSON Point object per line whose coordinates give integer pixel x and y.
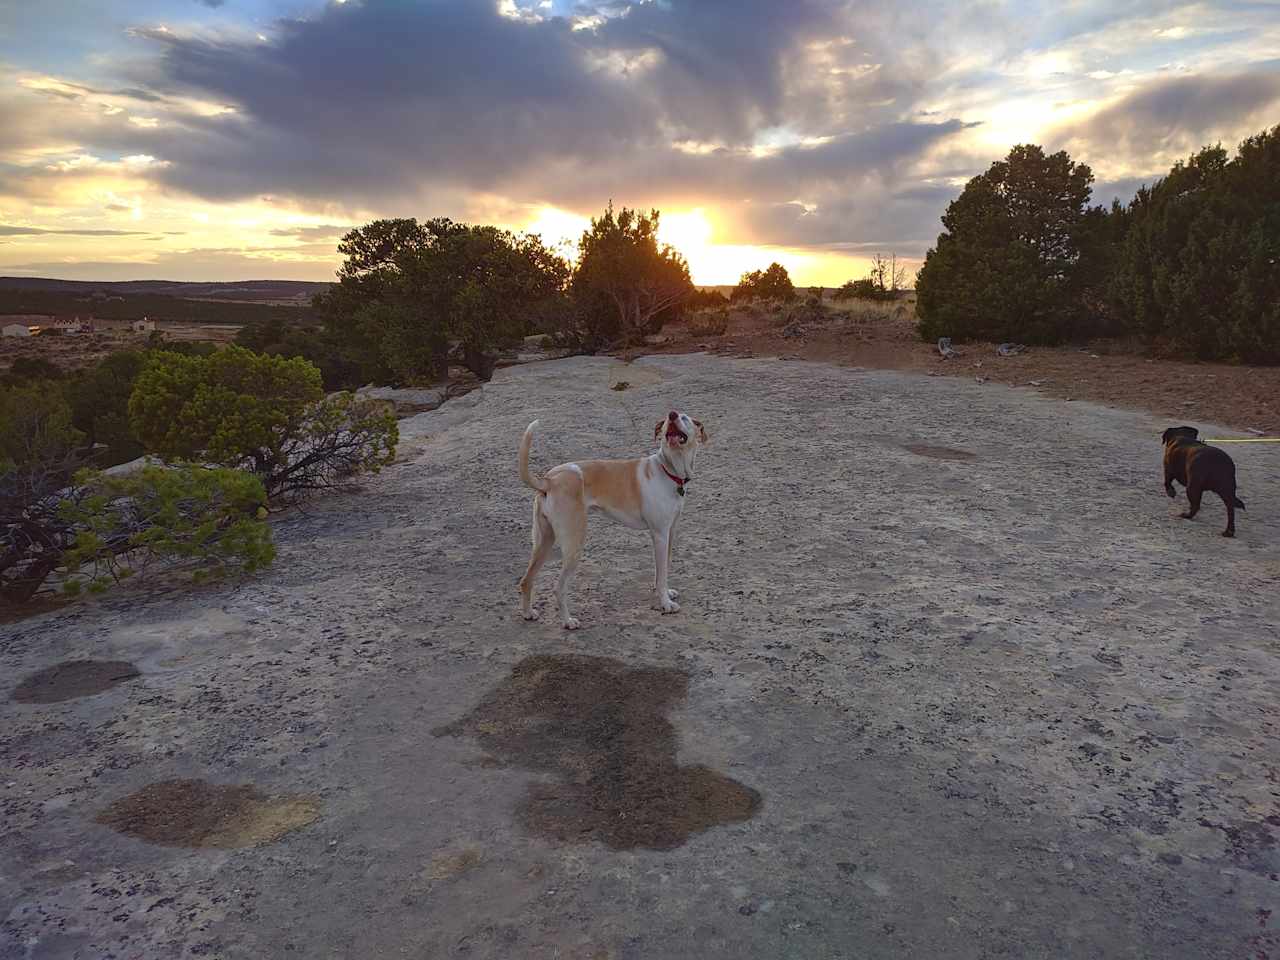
{"type": "Point", "coordinates": [226, 140]}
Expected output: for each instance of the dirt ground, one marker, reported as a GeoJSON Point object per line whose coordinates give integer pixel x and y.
{"type": "Point", "coordinates": [950, 680]}
{"type": "Point", "coordinates": [883, 337]}
{"type": "Point", "coordinates": [74, 352]}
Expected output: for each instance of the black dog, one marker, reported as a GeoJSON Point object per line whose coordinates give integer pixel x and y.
{"type": "Point", "coordinates": [1199, 467]}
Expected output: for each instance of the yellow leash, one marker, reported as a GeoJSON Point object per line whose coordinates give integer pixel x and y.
{"type": "Point", "coordinates": [1243, 440]}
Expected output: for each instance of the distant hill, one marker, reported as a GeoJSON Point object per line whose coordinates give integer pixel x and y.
{"type": "Point", "coordinates": [278, 291]}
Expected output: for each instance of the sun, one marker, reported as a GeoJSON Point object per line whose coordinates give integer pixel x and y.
{"type": "Point", "coordinates": [558, 228]}
{"type": "Point", "coordinates": [688, 232]}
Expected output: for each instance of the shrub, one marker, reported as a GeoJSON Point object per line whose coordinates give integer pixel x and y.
{"type": "Point", "coordinates": [264, 414]}
{"type": "Point", "coordinates": [1005, 268]}
{"type": "Point", "coordinates": [99, 399]}
{"type": "Point", "coordinates": [706, 299]}
{"type": "Point", "coordinates": [864, 289]}
{"type": "Point", "coordinates": [883, 281]}
{"type": "Point", "coordinates": [408, 290]}
{"type": "Point", "coordinates": [772, 283]}
{"type": "Point", "coordinates": [1197, 264]}
{"type": "Point", "coordinates": [709, 323]}
{"type": "Point", "coordinates": [40, 452]}
{"type": "Point", "coordinates": [57, 518]}
{"type": "Point", "coordinates": [156, 340]}
{"type": "Point", "coordinates": [626, 285]}
{"type": "Point", "coordinates": [30, 370]}
{"type": "Point", "coordinates": [213, 517]}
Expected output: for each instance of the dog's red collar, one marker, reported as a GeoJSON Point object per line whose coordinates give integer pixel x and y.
{"type": "Point", "coordinates": [675, 479]}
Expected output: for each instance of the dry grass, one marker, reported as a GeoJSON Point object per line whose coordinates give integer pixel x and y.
{"type": "Point", "coordinates": [709, 323]}
{"type": "Point", "coordinates": [84, 350]}
{"type": "Point", "coordinates": [883, 335]}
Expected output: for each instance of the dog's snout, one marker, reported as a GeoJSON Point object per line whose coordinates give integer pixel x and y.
{"type": "Point", "coordinates": [673, 416]}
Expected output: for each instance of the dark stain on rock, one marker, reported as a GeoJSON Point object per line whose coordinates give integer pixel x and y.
{"type": "Point", "coordinates": [938, 453]}
{"type": "Point", "coordinates": [194, 813]}
{"type": "Point", "coordinates": [1251, 844]}
{"type": "Point", "coordinates": [601, 727]}
{"type": "Point", "coordinates": [73, 679]}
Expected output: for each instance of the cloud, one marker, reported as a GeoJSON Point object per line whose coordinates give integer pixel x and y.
{"type": "Point", "coordinates": [475, 107]}
{"type": "Point", "coordinates": [322, 231]}
{"type": "Point", "coordinates": [548, 101]}
{"type": "Point", "coordinates": [825, 124]}
{"type": "Point", "coordinates": [1170, 118]}
{"type": "Point", "coordinates": [196, 264]}
{"type": "Point", "coordinates": [212, 4]}
{"type": "Point", "coordinates": [7, 230]}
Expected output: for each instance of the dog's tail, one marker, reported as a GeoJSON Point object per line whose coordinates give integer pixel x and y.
{"type": "Point", "coordinates": [525, 443]}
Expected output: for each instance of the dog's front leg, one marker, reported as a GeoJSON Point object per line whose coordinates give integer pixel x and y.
{"type": "Point", "coordinates": [662, 561]}
{"type": "Point", "coordinates": [672, 593]}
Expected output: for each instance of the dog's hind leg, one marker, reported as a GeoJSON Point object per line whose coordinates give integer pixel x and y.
{"type": "Point", "coordinates": [1194, 492]}
{"type": "Point", "coordinates": [570, 531]}
{"type": "Point", "coordinates": [1230, 500]}
{"type": "Point", "coordinates": [544, 539]}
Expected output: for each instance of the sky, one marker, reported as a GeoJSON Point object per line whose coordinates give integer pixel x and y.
{"type": "Point", "coordinates": [239, 139]}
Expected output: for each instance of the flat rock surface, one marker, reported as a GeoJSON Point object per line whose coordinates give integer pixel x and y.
{"type": "Point", "coordinates": [951, 680]}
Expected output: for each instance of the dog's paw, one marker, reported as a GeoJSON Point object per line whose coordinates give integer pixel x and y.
{"type": "Point", "coordinates": [670, 607]}
{"type": "Point", "coordinates": [1186, 516]}
{"type": "Point", "coordinates": [1228, 533]}
{"type": "Point", "coordinates": [572, 623]}
{"type": "Point", "coordinates": [673, 594]}
{"type": "Point", "coordinates": [530, 614]}
{"type": "Point", "coordinates": [1173, 494]}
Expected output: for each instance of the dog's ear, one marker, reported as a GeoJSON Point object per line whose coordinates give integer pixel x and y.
{"type": "Point", "coordinates": [657, 430]}
{"type": "Point", "coordinates": [1191, 433]}
{"type": "Point", "coordinates": [1167, 435]}
{"type": "Point", "coordinates": [702, 432]}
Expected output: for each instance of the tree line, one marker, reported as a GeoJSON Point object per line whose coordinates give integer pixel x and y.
{"type": "Point", "coordinates": [135, 306]}
{"type": "Point", "coordinates": [1191, 263]}
{"type": "Point", "coordinates": [413, 297]}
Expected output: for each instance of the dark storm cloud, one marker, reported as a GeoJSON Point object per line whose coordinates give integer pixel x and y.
{"type": "Point", "coordinates": [384, 105]}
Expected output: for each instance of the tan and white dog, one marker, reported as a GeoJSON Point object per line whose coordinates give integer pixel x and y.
{"type": "Point", "coordinates": [645, 494]}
